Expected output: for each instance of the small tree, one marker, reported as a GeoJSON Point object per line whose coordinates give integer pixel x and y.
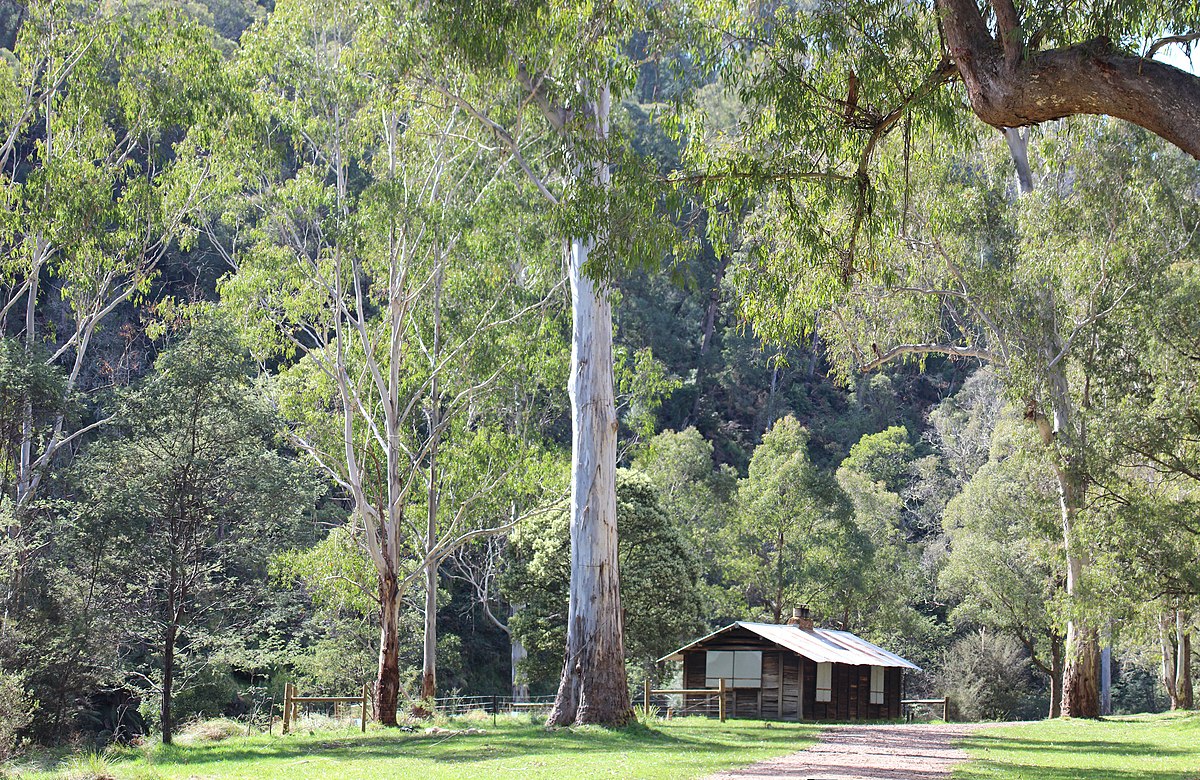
{"type": "Point", "coordinates": [194, 486]}
{"type": "Point", "coordinates": [660, 585]}
{"type": "Point", "coordinates": [793, 540]}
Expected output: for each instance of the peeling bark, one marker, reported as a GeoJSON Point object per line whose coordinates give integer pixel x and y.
{"type": "Point", "coordinates": [594, 687]}
{"type": "Point", "coordinates": [387, 681]}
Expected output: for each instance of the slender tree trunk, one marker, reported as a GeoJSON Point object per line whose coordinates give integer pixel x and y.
{"type": "Point", "coordinates": [387, 681]}
{"type": "Point", "coordinates": [1081, 673]}
{"type": "Point", "coordinates": [1166, 640]}
{"type": "Point", "coordinates": [1056, 676]}
{"type": "Point", "coordinates": [1018, 147]}
{"type": "Point", "coordinates": [434, 419]}
{"type": "Point", "coordinates": [168, 682]}
{"type": "Point", "coordinates": [1106, 680]}
{"type": "Point", "coordinates": [429, 655]}
{"type": "Point", "coordinates": [706, 339]}
{"type": "Point", "coordinates": [1183, 661]}
{"type": "Point", "coordinates": [517, 654]}
{"type": "Point", "coordinates": [594, 687]}
{"type": "Point", "coordinates": [429, 646]}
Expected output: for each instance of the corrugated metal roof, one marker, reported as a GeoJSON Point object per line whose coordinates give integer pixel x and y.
{"type": "Point", "coordinates": [823, 645]}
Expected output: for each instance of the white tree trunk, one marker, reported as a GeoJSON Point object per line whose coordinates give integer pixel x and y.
{"type": "Point", "coordinates": [594, 687]}
{"type": "Point", "coordinates": [1166, 639]}
{"type": "Point", "coordinates": [1081, 675]}
{"type": "Point", "coordinates": [517, 654]}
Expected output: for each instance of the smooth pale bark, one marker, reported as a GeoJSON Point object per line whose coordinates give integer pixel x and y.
{"type": "Point", "coordinates": [1166, 641]}
{"type": "Point", "coordinates": [1010, 84]}
{"type": "Point", "coordinates": [1018, 147]}
{"type": "Point", "coordinates": [1080, 695]}
{"type": "Point", "coordinates": [594, 687]}
{"type": "Point", "coordinates": [1183, 661]}
{"type": "Point", "coordinates": [1081, 671]}
{"type": "Point", "coordinates": [429, 646]}
{"type": "Point", "coordinates": [1106, 680]}
{"type": "Point", "coordinates": [706, 339]}
{"type": "Point", "coordinates": [517, 654]}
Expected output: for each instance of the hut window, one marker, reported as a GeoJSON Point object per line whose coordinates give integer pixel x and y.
{"type": "Point", "coordinates": [825, 682]}
{"type": "Point", "coordinates": [877, 685]}
{"type": "Point", "coordinates": [739, 668]}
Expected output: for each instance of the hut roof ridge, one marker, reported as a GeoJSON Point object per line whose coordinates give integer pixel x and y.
{"type": "Point", "coordinates": [823, 645]}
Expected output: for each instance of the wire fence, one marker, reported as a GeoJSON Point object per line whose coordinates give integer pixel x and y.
{"type": "Point", "coordinates": [492, 705]}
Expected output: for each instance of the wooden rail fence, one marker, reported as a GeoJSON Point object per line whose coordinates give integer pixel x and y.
{"type": "Point", "coordinates": [290, 700]}
{"type": "Point", "coordinates": [944, 702]}
{"type": "Point", "coordinates": [719, 692]}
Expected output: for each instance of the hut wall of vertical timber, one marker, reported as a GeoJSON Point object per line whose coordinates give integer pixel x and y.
{"type": "Point", "coordinates": [788, 683]}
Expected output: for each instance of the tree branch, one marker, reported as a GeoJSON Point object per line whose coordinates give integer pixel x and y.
{"type": "Point", "coordinates": [950, 350]}
{"type": "Point", "coordinates": [1087, 78]}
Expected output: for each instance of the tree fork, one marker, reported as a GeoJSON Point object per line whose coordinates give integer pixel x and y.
{"type": "Point", "coordinates": [1010, 87]}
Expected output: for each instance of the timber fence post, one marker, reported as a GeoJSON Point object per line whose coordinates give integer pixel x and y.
{"type": "Point", "coordinates": [721, 699]}
{"type": "Point", "coordinates": [363, 713]}
{"type": "Point", "coordinates": [646, 696]}
{"type": "Point", "coordinates": [287, 707]}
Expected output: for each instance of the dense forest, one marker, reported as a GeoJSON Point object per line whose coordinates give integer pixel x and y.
{"type": "Point", "coordinates": [301, 303]}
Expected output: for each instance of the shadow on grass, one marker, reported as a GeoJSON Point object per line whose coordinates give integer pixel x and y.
{"type": "Point", "coordinates": [499, 743]}
{"type": "Point", "coordinates": [1108, 747]}
{"type": "Point", "coordinates": [1008, 756]}
{"type": "Point", "coordinates": [987, 769]}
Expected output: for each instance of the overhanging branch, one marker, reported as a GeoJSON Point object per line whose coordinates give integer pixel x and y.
{"type": "Point", "coordinates": [950, 350]}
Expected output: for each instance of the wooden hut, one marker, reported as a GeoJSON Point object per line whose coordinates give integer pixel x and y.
{"type": "Point", "coordinates": [793, 672]}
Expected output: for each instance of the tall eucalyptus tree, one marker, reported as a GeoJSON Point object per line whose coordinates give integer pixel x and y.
{"type": "Point", "coordinates": [374, 260]}
{"type": "Point", "coordinates": [1031, 286]}
{"type": "Point", "coordinates": [549, 73]}
{"type": "Point", "coordinates": [92, 109]}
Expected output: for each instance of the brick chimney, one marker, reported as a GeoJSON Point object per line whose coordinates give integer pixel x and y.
{"type": "Point", "coordinates": [801, 618]}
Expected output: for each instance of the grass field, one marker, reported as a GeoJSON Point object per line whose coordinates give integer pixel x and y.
{"type": "Point", "coordinates": [1146, 747]}
{"type": "Point", "coordinates": [680, 748]}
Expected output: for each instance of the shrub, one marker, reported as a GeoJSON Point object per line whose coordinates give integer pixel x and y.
{"type": "Point", "coordinates": [16, 712]}
{"type": "Point", "coordinates": [987, 677]}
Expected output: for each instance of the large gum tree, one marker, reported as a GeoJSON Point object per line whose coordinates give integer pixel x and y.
{"type": "Point", "coordinates": [377, 265]}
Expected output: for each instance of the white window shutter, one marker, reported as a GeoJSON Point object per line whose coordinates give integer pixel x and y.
{"type": "Point", "coordinates": [824, 682]}
{"type": "Point", "coordinates": [877, 684]}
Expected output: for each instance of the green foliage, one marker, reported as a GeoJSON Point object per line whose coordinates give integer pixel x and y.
{"type": "Point", "coordinates": [16, 712]}
{"type": "Point", "coordinates": [986, 676]}
{"type": "Point", "coordinates": [1004, 566]}
{"type": "Point", "coordinates": [196, 488]}
{"type": "Point", "coordinates": [660, 589]}
{"type": "Point", "coordinates": [884, 457]}
{"type": "Point", "coordinates": [793, 540]}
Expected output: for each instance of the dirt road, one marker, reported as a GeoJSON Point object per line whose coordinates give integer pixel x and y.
{"type": "Point", "coordinates": [890, 752]}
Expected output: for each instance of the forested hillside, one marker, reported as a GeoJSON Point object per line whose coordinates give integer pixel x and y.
{"type": "Point", "coordinates": [287, 330]}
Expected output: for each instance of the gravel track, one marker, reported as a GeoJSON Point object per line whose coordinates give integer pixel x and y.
{"type": "Point", "coordinates": [908, 752]}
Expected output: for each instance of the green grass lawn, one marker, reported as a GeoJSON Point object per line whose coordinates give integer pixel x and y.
{"type": "Point", "coordinates": [679, 748]}
{"type": "Point", "coordinates": [1147, 747]}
